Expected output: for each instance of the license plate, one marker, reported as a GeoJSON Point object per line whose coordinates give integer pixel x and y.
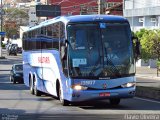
{"type": "Point", "coordinates": [104, 94]}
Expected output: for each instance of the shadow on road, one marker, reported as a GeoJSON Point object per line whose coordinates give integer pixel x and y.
{"type": "Point", "coordinates": [5, 84]}
{"type": "Point", "coordinates": [9, 61]}
{"type": "Point", "coordinates": [126, 104]}
{"type": "Point", "coordinates": [21, 115]}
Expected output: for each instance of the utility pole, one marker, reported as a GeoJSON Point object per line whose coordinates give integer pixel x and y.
{"type": "Point", "coordinates": [101, 6]}
{"type": "Point", "coordinates": [1, 30]}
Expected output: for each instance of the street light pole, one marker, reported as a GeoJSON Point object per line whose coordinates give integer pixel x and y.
{"type": "Point", "coordinates": [101, 6]}
{"type": "Point", "coordinates": [1, 30]}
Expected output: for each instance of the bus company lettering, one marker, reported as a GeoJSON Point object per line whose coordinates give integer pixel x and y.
{"type": "Point", "coordinates": [43, 60]}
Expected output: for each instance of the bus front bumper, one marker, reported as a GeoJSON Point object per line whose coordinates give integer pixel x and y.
{"type": "Point", "coordinates": [85, 95]}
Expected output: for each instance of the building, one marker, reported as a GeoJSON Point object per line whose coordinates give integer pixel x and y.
{"type": "Point", "coordinates": [115, 10]}
{"type": "Point", "coordinates": [142, 13]}
{"type": "Point", "coordinates": [33, 20]}
{"type": "Point", "coordinates": [14, 3]}
{"type": "Point", "coordinates": [76, 7]}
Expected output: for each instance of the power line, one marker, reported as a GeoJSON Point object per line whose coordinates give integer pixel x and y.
{"type": "Point", "coordinates": [78, 4]}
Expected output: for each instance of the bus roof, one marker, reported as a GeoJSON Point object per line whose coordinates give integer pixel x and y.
{"type": "Point", "coordinates": [80, 18]}
{"type": "Point", "coordinates": [90, 18]}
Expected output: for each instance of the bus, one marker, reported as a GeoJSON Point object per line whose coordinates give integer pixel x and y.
{"type": "Point", "coordinates": [80, 58]}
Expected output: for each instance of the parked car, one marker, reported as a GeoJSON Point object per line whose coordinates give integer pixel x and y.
{"type": "Point", "coordinates": [19, 50]}
{"type": "Point", "coordinates": [16, 73]}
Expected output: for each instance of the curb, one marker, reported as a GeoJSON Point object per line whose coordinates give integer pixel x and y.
{"type": "Point", "coordinates": [148, 92]}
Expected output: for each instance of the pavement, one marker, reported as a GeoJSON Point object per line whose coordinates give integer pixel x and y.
{"type": "Point", "coordinates": [146, 72]}
{"type": "Point", "coordinates": [147, 77]}
{"type": "Point", "coordinates": [148, 83]}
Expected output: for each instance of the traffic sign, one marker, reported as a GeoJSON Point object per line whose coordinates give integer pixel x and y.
{"type": "Point", "coordinates": [48, 10]}
{"type": "Point", "coordinates": [2, 33]}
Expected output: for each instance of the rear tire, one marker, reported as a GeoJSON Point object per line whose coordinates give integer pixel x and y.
{"type": "Point", "coordinates": [31, 87]}
{"type": "Point", "coordinates": [36, 92]}
{"type": "Point", "coordinates": [115, 101]}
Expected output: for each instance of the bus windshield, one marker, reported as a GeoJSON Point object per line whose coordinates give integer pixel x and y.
{"type": "Point", "coordinates": [102, 50]}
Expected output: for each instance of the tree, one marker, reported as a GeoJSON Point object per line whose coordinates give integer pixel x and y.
{"type": "Point", "coordinates": [141, 36]}
{"type": "Point", "coordinates": [19, 16]}
{"type": "Point", "coordinates": [150, 42]}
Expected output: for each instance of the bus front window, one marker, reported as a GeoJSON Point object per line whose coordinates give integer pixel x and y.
{"type": "Point", "coordinates": [95, 52]}
{"type": "Point", "coordinates": [118, 51]}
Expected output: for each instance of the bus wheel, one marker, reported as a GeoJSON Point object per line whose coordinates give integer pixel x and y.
{"type": "Point", "coordinates": [36, 92]}
{"type": "Point", "coordinates": [62, 101]}
{"type": "Point", "coordinates": [114, 101]}
{"type": "Point", "coordinates": [31, 87]}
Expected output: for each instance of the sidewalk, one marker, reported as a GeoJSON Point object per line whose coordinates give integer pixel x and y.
{"type": "Point", "coordinates": [148, 84]}
{"type": "Point", "coordinates": [147, 77]}
{"type": "Point", "coordinates": [146, 72]}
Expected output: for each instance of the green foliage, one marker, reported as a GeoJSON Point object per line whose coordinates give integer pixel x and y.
{"type": "Point", "coordinates": [140, 33]}
{"type": "Point", "coordinates": [17, 15]}
{"type": "Point", "coordinates": [150, 44]}
{"type": "Point", "coordinates": [158, 64]}
{"type": "Point", "coordinates": [3, 45]}
{"type": "Point", "coordinates": [144, 54]}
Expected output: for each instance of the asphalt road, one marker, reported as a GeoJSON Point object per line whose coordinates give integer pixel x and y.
{"type": "Point", "coordinates": [16, 103]}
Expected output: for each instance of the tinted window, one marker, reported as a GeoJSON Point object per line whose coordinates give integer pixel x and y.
{"type": "Point", "coordinates": [18, 67]}
{"type": "Point", "coordinates": [47, 37]}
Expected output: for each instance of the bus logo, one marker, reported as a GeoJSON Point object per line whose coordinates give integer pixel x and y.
{"type": "Point", "coordinates": [104, 86]}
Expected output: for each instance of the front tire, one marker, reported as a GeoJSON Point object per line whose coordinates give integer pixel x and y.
{"type": "Point", "coordinates": [62, 101]}
{"type": "Point", "coordinates": [115, 101]}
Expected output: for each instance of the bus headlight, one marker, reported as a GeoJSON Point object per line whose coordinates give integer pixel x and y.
{"type": "Point", "coordinates": [79, 87]}
{"type": "Point", "coordinates": [127, 85]}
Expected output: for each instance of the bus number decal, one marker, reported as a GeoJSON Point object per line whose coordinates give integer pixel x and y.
{"type": "Point", "coordinates": [43, 60]}
{"type": "Point", "coordinates": [88, 82]}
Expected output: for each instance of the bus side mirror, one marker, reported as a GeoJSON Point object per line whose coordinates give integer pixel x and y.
{"type": "Point", "coordinates": [64, 50]}
{"type": "Point", "coordinates": [137, 47]}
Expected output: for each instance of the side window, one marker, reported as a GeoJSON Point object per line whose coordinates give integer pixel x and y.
{"type": "Point", "coordinates": [33, 40]}
{"type": "Point", "coordinates": [56, 35]}
{"type": "Point", "coordinates": [38, 40]}
{"type": "Point", "coordinates": [62, 30]}
{"type": "Point", "coordinates": [43, 31]}
{"type": "Point", "coordinates": [49, 30]}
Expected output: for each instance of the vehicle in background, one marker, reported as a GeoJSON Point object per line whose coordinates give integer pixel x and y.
{"type": "Point", "coordinates": [16, 73]}
{"type": "Point", "coordinates": [12, 49]}
{"type": "Point", "coordinates": [19, 50]}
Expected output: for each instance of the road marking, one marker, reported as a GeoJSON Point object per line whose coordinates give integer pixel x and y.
{"type": "Point", "coordinates": [147, 100]}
